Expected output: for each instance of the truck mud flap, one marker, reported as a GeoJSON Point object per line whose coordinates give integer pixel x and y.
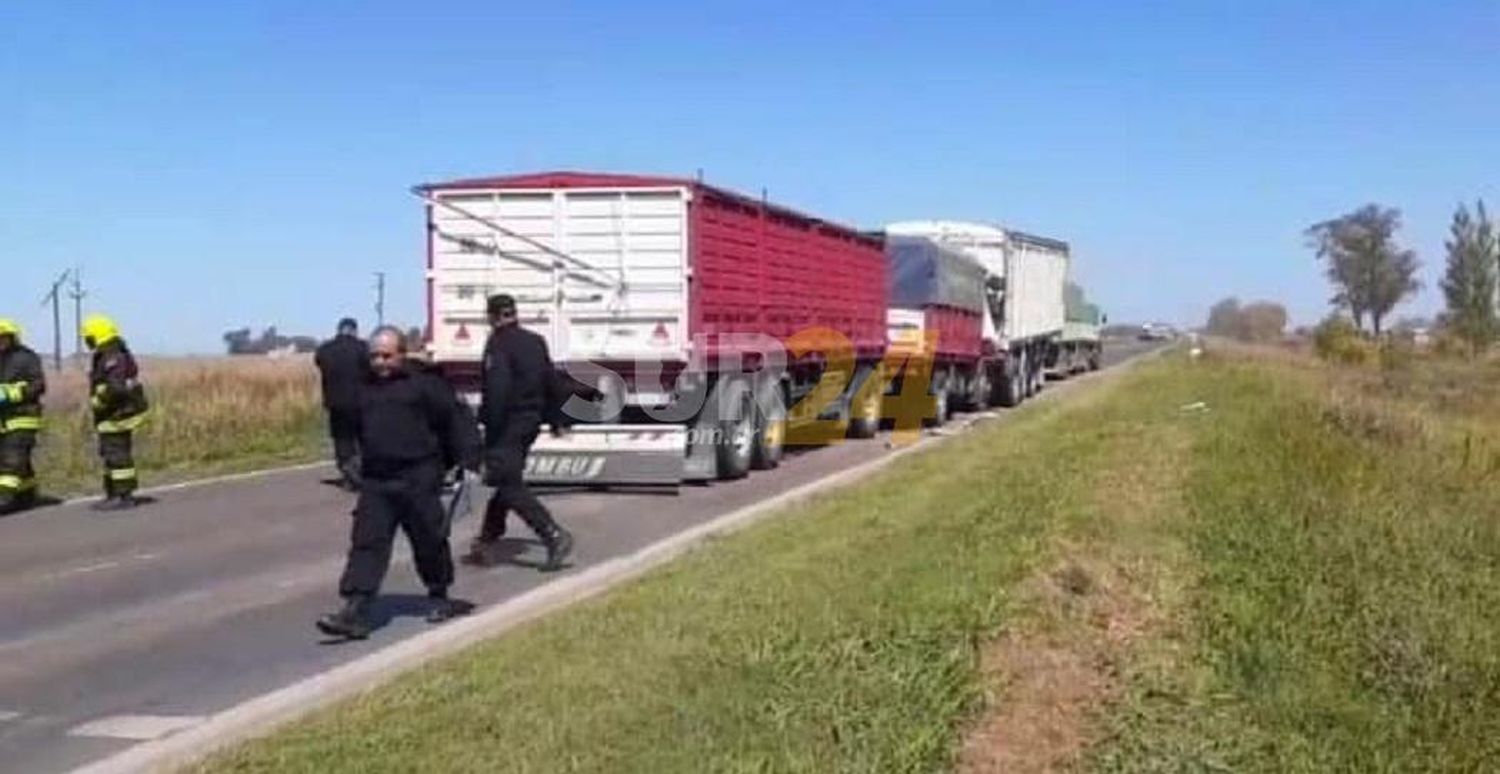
{"type": "Point", "coordinates": [597, 455]}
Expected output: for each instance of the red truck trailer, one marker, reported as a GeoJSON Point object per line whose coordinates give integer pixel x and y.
{"type": "Point", "coordinates": [936, 313]}
{"type": "Point", "coordinates": [662, 293]}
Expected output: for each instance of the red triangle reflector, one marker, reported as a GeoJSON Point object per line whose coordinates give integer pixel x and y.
{"type": "Point", "coordinates": [463, 333]}
{"type": "Point", "coordinates": [660, 334]}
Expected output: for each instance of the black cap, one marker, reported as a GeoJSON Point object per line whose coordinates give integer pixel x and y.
{"type": "Point", "coordinates": [348, 324]}
{"type": "Point", "coordinates": [501, 305]}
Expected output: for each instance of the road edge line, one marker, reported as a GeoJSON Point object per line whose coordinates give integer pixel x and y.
{"type": "Point", "coordinates": [260, 715]}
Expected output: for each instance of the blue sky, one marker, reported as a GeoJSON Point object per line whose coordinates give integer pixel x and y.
{"type": "Point", "coordinates": [222, 164]}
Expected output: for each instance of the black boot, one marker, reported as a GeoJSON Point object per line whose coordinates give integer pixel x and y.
{"type": "Point", "coordinates": [115, 499]}
{"type": "Point", "coordinates": [559, 543]}
{"type": "Point", "coordinates": [445, 609]}
{"type": "Point", "coordinates": [352, 622]}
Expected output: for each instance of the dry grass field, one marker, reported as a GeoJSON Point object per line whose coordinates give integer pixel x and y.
{"type": "Point", "coordinates": [208, 415]}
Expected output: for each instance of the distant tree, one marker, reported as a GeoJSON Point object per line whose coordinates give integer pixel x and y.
{"type": "Point", "coordinates": [1369, 271]}
{"type": "Point", "coordinates": [1262, 321]}
{"type": "Point", "coordinates": [1258, 321]}
{"type": "Point", "coordinates": [1469, 282]}
{"type": "Point", "coordinates": [1224, 318]}
{"type": "Point", "coordinates": [237, 342]}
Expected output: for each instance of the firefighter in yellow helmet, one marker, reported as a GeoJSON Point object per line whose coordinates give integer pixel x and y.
{"type": "Point", "coordinates": [119, 404]}
{"type": "Point", "coordinates": [21, 386]}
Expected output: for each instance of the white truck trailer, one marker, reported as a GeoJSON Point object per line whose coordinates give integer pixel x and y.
{"type": "Point", "coordinates": [1025, 322]}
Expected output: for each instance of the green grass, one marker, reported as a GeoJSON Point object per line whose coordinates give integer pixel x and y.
{"type": "Point", "coordinates": [1313, 560]}
{"type": "Point", "coordinates": [1345, 613]}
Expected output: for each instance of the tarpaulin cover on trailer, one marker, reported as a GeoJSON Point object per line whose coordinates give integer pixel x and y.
{"type": "Point", "coordinates": [1076, 305]}
{"type": "Point", "coordinates": [925, 274]}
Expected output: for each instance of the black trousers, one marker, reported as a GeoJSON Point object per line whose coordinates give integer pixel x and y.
{"type": "Point", "coordinates": [504, 469]}
{"type": "Point", "coordinates": [343, 426]}
{"type": "Point", "coordinates": [117, 452]}
{"type": "Point", "coordinates": [412, 500]}
{"type": "Point", "coordinates": [16, 474]}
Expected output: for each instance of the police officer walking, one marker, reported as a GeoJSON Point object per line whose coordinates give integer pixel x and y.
{"type": "Point", "coordinates": [22, 383]}
{"type": "Point", "coordinates": [119, 404]}
{"type": "Point", "coordinates": [344, 362]}
{"type": "Point", "coordinates": [521, 386]}
{"type": "Point", "coordinates": [412, 430]}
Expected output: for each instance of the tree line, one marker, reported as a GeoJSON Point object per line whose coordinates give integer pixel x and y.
{"type": "Point", "coordinates": [243, 342]}
{"type": "Point", "coordinates": [1371, 272]}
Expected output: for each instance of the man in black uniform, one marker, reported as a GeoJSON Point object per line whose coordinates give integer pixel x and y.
{"type": "Point", "coordinates": [521, 386]}
{"type": "Point", "coordinates": [21, 386]}
{"type": "Point", "coordinates": [119, 404]}
{"type": "Point", "coordinates": [412, 430]}
{"type": "Point", "coordinates": [344, 362]}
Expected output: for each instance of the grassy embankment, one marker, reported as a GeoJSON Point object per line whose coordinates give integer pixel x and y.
{"type": "Point", "coordinates": [209, 415]}
{"type": "Point", "coordinates": [1298, 575]}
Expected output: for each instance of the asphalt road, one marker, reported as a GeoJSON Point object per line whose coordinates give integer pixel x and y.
{"type": "Point", "coordinates": [116, 629]}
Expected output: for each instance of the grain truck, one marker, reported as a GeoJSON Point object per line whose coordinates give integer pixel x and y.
{"type": "Point", "coordinates": [1024, 319]}
{"type": "Point", "coordinates": [662, 294]}
{"type": "Point", "coordinates": [936, 312]}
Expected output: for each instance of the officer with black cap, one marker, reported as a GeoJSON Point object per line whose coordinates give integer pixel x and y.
{"type": "Point", "coordinates": [344, 364]}
{"type": "Point", "coordinates": [521, 388]}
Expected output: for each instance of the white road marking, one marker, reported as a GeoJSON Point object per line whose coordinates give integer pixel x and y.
{"type": "Point", "coordinates": [89, 568]}
{"type": "Point", "coordinates": [140, 728]}
{"type": "Point", "coordinates": [146, 557]}
{"type": "Point", "coordinates": [8, 715]}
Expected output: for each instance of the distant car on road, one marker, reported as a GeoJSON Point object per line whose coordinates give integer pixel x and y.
{"type": "Point", "coordinates": [1157, 332]}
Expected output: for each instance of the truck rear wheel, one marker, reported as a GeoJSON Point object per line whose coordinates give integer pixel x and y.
{"type": "Point", "coordinates": [864, 414]}
{"type": "Point", "coordinates": [734, 447]}
{"type": "Point", "coordinates": [940, 386]}
{"type": "Point", "coordinates": [770, 428]}
{"type": "Point", "coordinates": [1013, 388]}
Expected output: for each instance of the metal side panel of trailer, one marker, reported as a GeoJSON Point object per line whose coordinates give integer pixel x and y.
{"type": "Point", "coordinates": [600, 273]}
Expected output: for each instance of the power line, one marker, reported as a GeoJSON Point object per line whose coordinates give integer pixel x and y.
{"type": "Point", "coordinates": [77, 293]}
{"type": "Point", "coordinates": [54, 297]}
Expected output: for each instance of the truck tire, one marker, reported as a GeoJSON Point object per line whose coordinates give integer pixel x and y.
{"type": "Point", "coordinates": [940, 399]}
{"type": "Point", "coordinates": [979, 392]}
{"type": "Point", "coordinates": [1094, 355]}
{"type": "Point", "coordinates": [770, 428]}
{"type": "Point", "coordinates": [864, 415]}
{"type": "Point", "coordinates": [735, 445]}
{"type": "Point", "coordinates": [1013, 388]}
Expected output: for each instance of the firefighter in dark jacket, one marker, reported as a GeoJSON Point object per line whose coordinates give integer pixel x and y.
{"type": "Point", "coordinates": [521, 388]}
{"type": "Point", "coordinates": [21, 386]}
{"type": "Point", "coordinates": [412, 430]}
{"type": "Point", "coordinates": [119, 405]}
{"type": "Point", "coordinates": [344, 362]}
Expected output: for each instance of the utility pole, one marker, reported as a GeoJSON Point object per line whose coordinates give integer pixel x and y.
{"type": "Point", "coordinates": [379, 298]}
{"type": "Point", "coordinates": [54, 297]}
{"type": "Point", "coordinates": [77, 295]}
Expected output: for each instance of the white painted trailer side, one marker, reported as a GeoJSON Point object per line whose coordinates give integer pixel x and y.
{"type": "Point", "coordinates": [1034, 285]}
{"type": "Point", "coordinates": [600, 273]}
